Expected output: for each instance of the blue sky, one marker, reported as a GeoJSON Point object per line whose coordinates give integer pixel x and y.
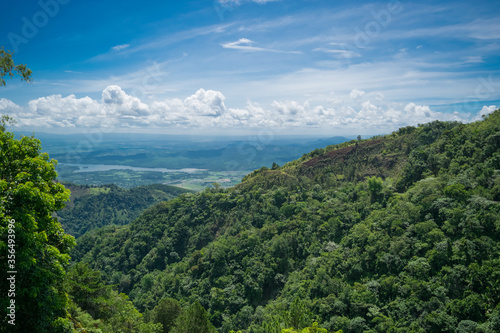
{"type": "Point", "coordinates": [237, 66]}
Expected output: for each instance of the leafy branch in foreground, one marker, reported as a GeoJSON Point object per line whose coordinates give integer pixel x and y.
{"type": "Point", "coordinates": [7, 67]}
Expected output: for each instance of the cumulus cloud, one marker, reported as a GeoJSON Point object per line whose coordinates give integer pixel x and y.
{"type": "Point", "coordinates": [58, 111]}
{"type": "Point", "coordinates": [7, 106]}
{"type": "Point", "coordinates": [358, 110]}
{"type": "Point", "coordinates": [418, 110]}
{"type": "Point", "coordinates": [116, 101]}
{"type": "Point", "coordinates": [487, 110]}
{"type": "Point", "coordinates": [290, 108]}
{"type": "Point", "coordinates": [355, 93]}
{"type": "Point", "coordinates": [206, 103]}
{"type": "Point", "coordinates": [240, 114]}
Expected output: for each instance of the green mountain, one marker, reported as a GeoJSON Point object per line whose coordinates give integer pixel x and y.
{"type": "Point", "coordinates": [92, 207]}
{"type": "Point", "coordinates": [398, 233]}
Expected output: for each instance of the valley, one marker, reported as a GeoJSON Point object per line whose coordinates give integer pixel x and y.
{"type": "Point", "coordinates": [190, 162]}
{"type": "Point", "coordinates": [344, 237]}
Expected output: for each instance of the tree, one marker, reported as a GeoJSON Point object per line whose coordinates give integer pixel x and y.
{"type": "Point", "coordinates": [37, 245]}
{"type": "Point", "coordinates": [7, 67]}
{"type": "Point", "coordinates": [299, 315]}
{"type": "Point", "coordinates": [375, 185]}
{"type": "Point", "coordinates": [86, 289]}
{"type": "Point", "coordinates": [33, 245]}
{"type": "Point", "coordinates": [194, 319]}
{"type": "Point", "coordinates": [94, 305]}
{"type": "Point", "coordinates": [165, 313]}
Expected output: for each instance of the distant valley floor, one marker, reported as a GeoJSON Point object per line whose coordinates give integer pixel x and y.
{"type": "Point", "coordinates": [128, 178]}
{"type": "Point", "coordinates": [191, 162]}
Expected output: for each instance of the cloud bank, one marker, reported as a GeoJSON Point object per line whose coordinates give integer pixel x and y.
{"type": "Point", "coordinates": [206, 109]}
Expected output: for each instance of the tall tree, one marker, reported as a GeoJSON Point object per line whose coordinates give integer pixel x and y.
{"type": "Point", "coordinates": [38, 249]}
{"type": "Point", "coordinates": [33, 246]}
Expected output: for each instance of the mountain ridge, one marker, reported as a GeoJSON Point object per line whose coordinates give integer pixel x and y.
{"type": "Point", "coordinates": [348, 236]}
{"type": "Point", "coordinates": [92, 207]}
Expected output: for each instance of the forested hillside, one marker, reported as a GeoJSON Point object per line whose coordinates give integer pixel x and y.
{"type": "Point", "coordinates": [93, 207]}
{"type": "Point", "coordinates": [399, 233]}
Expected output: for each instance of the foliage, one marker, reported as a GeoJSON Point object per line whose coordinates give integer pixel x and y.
{"type": "Point", "coordinates": [313, 329]}
{"type": "Point", "coordinates": [34, 248]}
{"type": "Point", "coordinates": [398, 233]}
{"type": "Point", "coordinates": [96, 307]}
{"type": "Point", "coordinates": [166, 312]}
{"type": "Point", "coordinates": [29, 196]}
{"type": "Point", "coordinates": [92, 207]}
{"type": "Point", "coordinates": [4, 121]}
{"type": "Point", "coordinates": [8, 68]}
{"type": "Point", "coordinates": [193, 319]}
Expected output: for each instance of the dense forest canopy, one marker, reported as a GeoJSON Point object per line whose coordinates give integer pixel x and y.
{"type": "Point", "coordinates": [91, 207]}
{"type": "Point", "coordinates": [398, 233]}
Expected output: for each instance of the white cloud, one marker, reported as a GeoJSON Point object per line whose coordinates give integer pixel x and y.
{"type": "Point", "coordinates": [7, 106]}
{"type": "Point", "coordinates": [120, 47]}
{"type": "Point", "coordinates": [290, 108]}
{"type": "Point", "coordinates": [58, 111]}
{"type": "Point", "coordinates": [346, 54]}
{"type": "Point", "coordinates": [242, 44]}
{"type": "Point", "coordinates": [116, 101]}
{"type": "Point", "coordinates": [356, 111]}
{"type": "Point", "coordinates": [245, 44]}
{"type": "Point", "coordinates": [355, 94]}
{"type": "Point", "coordinates": [206, 103]}
{"type": "Point", "coordinates": [487, 110]}
{"type": "Point", "coordinates": [418, 110]}
{"type": "Point", "coordinates": [240, 114]}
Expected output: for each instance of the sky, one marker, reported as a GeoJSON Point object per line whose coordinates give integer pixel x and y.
{"type": "Point", "coordinates": [317, 67]}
